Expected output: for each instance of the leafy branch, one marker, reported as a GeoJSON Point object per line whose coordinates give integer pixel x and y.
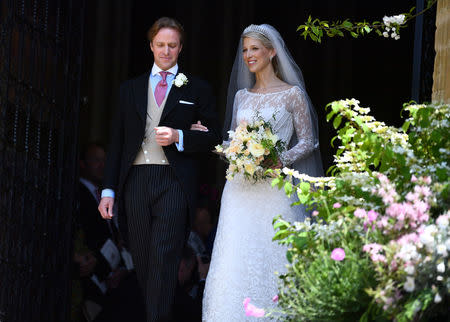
{"type": "Point", "coordinates": [390, 26]}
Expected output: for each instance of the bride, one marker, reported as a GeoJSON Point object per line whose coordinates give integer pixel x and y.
{"type": "Point", "coordinates": [265, 81]}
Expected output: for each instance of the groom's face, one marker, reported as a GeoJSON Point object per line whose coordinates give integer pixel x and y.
{"type": "Point", "coordinates": [166, 47]}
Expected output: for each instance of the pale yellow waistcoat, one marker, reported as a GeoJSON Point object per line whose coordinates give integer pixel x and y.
{"type": "Point", "coordinates": [150, 152]}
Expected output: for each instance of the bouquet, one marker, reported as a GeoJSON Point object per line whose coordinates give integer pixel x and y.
{"type": "Point", "coordinates": [253, 148]}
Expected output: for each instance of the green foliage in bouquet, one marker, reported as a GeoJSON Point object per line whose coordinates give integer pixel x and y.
{"type": "Point", "coordinates": [379, 242]}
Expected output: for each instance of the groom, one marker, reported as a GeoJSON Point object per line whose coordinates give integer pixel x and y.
{"type": "Point", "coordinates": [151, 168]}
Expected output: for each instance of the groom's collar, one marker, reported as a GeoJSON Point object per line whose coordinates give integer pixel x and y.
{"type": "Point", "coordinates": [156, 70]}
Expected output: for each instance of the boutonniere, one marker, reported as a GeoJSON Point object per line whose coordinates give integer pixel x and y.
{"type": "Point", "coordinates": [180, 80]}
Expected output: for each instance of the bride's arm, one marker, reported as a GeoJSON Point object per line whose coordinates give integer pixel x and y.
{"type": "Point", "coordinates": [302, 127]}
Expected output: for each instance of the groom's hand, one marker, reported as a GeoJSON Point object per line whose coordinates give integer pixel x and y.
{"type": "Point", "coordinates": [166, 135]}
{"type": "Point", "coordinates": [106, 207]}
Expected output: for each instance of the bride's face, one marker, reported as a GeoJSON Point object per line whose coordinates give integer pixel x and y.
{"type": "Point", "coordinates": [255, 55]}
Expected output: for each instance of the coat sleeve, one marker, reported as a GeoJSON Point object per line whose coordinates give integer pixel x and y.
{"type": "Point", "coordinates": [116, 139]}
{"type": "Point", "coordinates": [197, 141]}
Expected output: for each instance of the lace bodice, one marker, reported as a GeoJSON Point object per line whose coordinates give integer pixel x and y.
{"type": "Point", "coordinates": [286, 111]}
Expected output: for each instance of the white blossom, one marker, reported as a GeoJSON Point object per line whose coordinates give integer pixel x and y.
{"type": "Point", "coordinates": [440, 267]}
{"type": "Point", "coordinates": [409, 285]}
{"type": "Point", "coordinates": [437, 298]}
{"type": "Point", "coordinates": [447, 243]}
{"type": "Point", "coordinates": [410, 270]}
{"type": "Point", "coordinates": [441, 250]}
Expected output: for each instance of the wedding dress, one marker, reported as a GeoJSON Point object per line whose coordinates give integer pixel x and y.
{"type": "Point", "coordinates": [245, 259]}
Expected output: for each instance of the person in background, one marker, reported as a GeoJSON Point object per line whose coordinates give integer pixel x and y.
{"type": "Point", "coordinates": [192, 274]}
{"type": "Point", "coordinates": [105, 268]}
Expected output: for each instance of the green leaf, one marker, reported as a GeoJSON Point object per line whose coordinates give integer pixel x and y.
{"type": "Point", "coordinates": [275, 181]}
{"type": "Point", "coordinates": [406, 125]}
{"type": "Point", "coordinates": [303, 198]}
{"type": "Point", "coordinates": [367, 29]}
{"type": "Point", "coordinates": [305, 186]}
{"type": "Point", "coordinates": [347, 24]}
{"type": "Point", "coordinates": [289, 256]}
{"type": "Point", "coordinates": [288, 188]}
{"type": "Point", "coordinates": [315, 30]}
{"type": "Point", "coordinates": [354, 34]}
{"type": "Point", "coordinates": [300, 242]}
{"type": "Point", "coordinates": [330, 115]}
{"type": "Point", "coordinates": [337, 121]}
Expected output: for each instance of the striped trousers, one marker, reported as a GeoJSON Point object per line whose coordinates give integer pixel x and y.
{"type": "Point", "coordinates": [156, 211]}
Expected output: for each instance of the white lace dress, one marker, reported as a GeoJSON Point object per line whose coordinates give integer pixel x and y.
{"type": "Point", "coordinates": [245, 259]}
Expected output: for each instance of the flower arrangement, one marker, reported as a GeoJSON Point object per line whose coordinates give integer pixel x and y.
{"type": "Point", "coordinates": [378, 243]}
{"type": "Point", "coordinates": [253, 148]}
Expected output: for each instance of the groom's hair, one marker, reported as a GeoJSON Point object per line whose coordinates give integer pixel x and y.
{"type": "Point", "coordinates": [165, 22]}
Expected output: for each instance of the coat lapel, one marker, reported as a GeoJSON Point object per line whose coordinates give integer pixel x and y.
{"type": "Point", "coordinates": [172, 99]}
{"type": "Point", "coordinates": [141, 95]}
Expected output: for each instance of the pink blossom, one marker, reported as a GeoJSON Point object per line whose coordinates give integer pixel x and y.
{"type": "Point", "coordinates": [423, 190]}
{"type": "Point", "coordinates": [315, 213]}
{"type": "Point", "coordinates": [372, 215]}
{"type": "Point", "coordinates": [427, 179]}
{"type": "Point", "coordinates": [378, 258]}
{"type": "Point", "coordinates": [410, 196]}
{"type": "Point", "coordinates": [383, 222]}
{"type": "Point", "coordinates": [421, 206]}
{"type": "Point", "coordinates": [251, 310]}
{"type": "Point", "coordinates": [394, 265]}
{"type": "Point", "coordinates": [275, 299]}
{"type": "Point", "coordinates": [337, 205]}
{"type": "Point", "coordinates": [360, 213]}
{"type": "Point", "coordinates": [408, 238]}
{"type": "Point", "coordinates": [413, 178]}
{"type": "Point", "coordinates": [382, 178]}
{"type": "Point", "coordinates": [372, 247]}
{"type": "Point", "coordinates": [338, 254]}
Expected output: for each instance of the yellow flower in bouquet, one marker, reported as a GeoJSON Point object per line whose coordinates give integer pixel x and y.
{"type": "Point", "coordinates": [251, 145]}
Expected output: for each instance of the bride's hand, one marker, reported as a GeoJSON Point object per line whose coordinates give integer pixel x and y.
{"type": "Point", "coordinates": [270, 164]}
{"type": "Point", "coordinates": [199, 127]}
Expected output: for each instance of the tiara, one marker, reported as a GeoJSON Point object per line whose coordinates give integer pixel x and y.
{"type": "Point", "coordinates": [261, 29]}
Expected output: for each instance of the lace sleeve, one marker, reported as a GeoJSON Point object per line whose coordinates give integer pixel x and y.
{"type": "Point", "coordinates": [298, 107]}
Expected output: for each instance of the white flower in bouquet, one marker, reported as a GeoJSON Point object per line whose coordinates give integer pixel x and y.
{"type": "Point", "coordinates": [440, 267]}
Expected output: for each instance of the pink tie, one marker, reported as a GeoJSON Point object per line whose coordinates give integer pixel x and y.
{"type": "Point", "coordinates": [161, 88]}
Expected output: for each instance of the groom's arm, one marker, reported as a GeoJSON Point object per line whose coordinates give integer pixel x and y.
{"type": "Point", "coordinates": [198, 141]}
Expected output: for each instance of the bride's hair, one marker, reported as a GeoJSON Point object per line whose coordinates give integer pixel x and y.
{"type": "Point", "coordinates": [266, 43]}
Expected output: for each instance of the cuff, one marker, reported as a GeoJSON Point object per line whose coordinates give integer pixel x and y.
{"type": "Point", "coordinates": [108, 193]}
{"type": "Point", "coordinates": [179, 144]}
